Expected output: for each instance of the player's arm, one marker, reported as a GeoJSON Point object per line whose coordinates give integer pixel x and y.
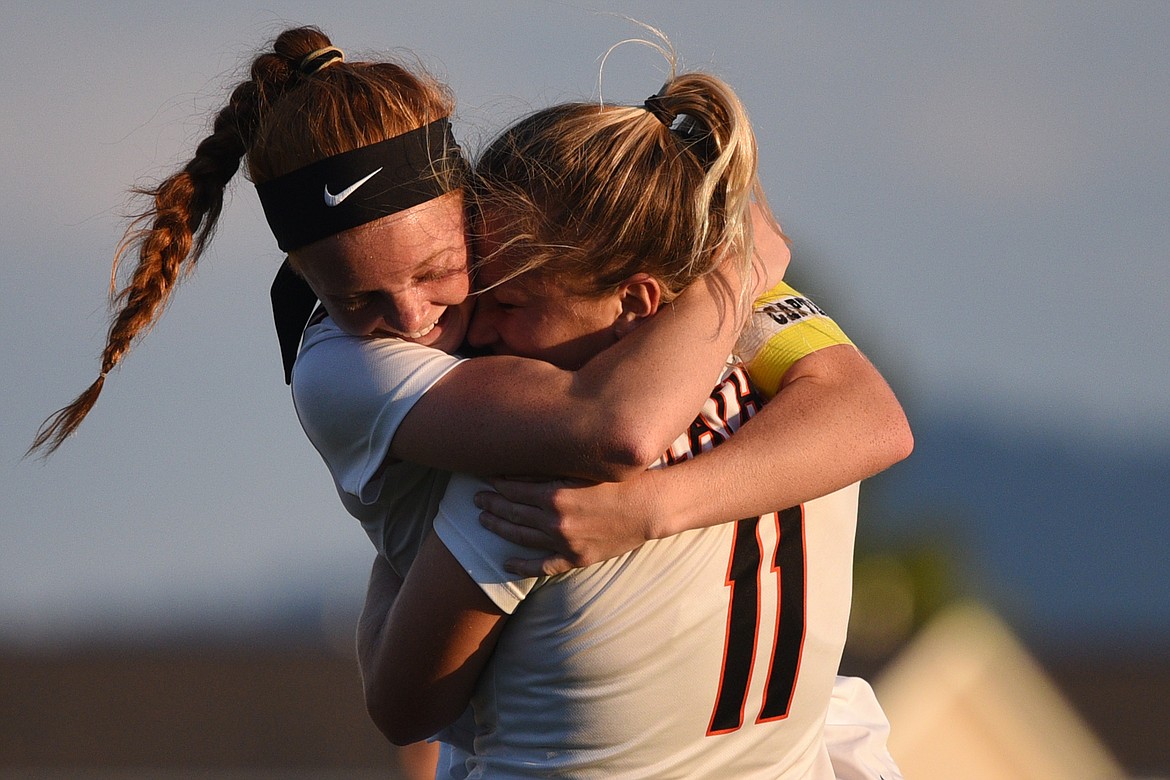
{"type": "Point", "coordinates": [417, 761]}
{"type": "Point", "coordinates": [607, 420]}
{"type": "Point", "coordinates": [833, 421]}
{"type": "Point", "coordinates": [422, 643]}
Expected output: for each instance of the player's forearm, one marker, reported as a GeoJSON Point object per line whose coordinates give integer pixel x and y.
{"type": "Point", "coordinates": [611, 418]}
{"type": "Point", "coordinates": [649, 385]}
{"type": "Point", "coordinates": [826, 429]}
{"type": "Point", "coordinates": [381, 591]}
{"type": "Point", "coordinates": [433, 642]}
{"type": "Point", "coordinates": [640, 393]}
{"type": "Point", "coordinates": [606, 421]}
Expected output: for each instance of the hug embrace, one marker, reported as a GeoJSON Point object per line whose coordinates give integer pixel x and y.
{"type": "Point", "coordinates": [594, 301]}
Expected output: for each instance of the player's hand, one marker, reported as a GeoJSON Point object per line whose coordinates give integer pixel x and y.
{"type": "Point", "coordinates": [579, 523]}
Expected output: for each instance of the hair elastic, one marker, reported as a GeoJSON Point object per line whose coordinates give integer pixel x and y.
{"type": "Point", "coordinates": [319, 59]}
{"type": "Point", "coordinates": [694, 134]}
{"type": "Point", "coordinates": [654, 105]}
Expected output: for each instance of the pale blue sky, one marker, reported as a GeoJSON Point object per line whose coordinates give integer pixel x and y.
{"type": "Point", "coordinates": [981, 191]}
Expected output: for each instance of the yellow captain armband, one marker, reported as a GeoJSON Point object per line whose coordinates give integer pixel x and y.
{"type": "Point", "coordinates": [785, 326]}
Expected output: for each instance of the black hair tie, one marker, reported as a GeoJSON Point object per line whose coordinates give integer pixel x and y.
{"type": "Point", "coordinates": [691, 131]}
{"type": "Point", "coordinates": [654, 104]}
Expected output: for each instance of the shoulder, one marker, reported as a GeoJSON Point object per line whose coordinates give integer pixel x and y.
{"type": "Point", "coordinates": [335, 369]}
{"type": "Point", "coordinates": [351, 394]}
{"type": "Point", "coordinates": [385, 360]}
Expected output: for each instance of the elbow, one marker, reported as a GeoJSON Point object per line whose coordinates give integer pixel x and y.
{"type": "Point", "coordinates": [398, 720]}
{"type": "Point", "coordinates": [885, 417]}
{"type": "Point", "coordinates": [397, 730]}
{"type": "Point", "coordinates": [898, 442]}
{"type": "Point", "coordinates": [903, 443]}
{"type": "Point", "coordinates": [633, 442]}
{"type": "Point", "coordinates": [619, 439]}
{"type": "Point", "coordinates": [389, 704]}
{"type": "Point", "coordinates": [625, 454]}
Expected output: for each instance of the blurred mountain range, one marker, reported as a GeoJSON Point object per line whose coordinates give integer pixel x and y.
{"type": "Point", "coordinates": [1064, 536]}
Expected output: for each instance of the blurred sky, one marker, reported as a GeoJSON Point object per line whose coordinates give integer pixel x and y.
{"type": "Point", "coordinates": [981, 190]}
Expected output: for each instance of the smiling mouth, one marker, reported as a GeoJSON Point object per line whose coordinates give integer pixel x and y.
{"type": "Point", "coordinates": [418, 334]}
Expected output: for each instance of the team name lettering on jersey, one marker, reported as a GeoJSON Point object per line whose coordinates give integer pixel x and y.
{"type": "Point", "coordinates": [732, 403]}
{"type": "Point", "coordinates": [792, 309]}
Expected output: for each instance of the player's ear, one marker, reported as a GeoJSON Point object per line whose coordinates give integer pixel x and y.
{"type": "Point", "coordinates": [640, 296]}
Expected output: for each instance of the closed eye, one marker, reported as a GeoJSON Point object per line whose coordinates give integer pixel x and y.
{"type": "Point", "coordinates": [438, 276]}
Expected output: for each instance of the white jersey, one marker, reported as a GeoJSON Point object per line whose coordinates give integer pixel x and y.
{"type": "Point", "coordinates": [712, 653]}
{"type": "Point", "coordinates": [856, 733]}
{"type": "Point", "coordinates": [351, 394]}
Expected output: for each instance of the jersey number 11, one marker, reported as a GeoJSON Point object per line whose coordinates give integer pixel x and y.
{"type": "Point", "coordinates": [743, 621]}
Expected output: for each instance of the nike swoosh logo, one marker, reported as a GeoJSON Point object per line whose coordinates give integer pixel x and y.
{"type": "Point", "coordinates": [335, 200]}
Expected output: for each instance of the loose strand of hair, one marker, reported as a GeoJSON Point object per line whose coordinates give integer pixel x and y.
{"type": "Point", "coordinates": [663, 47]}
{"type": "Point", "coordinates": [732, 177]}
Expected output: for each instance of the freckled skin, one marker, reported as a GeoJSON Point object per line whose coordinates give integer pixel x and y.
{"type": "Point", "coordinates": [533, 317]}
{"type": "Point", "coordinates": [405, 275]}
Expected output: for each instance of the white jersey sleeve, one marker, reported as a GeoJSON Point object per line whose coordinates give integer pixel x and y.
{"type": "Point", "coordinates": [480, 552]}
{"type": "Point", "coordinates": [785, 327]}
{"type": "Point", "coordinates": [351, 394]}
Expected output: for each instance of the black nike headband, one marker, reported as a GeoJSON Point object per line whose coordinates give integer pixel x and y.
{"type": "Point", "coordinates": [362, 185]}
{"type": "Point", "coordinates": [343, 192]}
